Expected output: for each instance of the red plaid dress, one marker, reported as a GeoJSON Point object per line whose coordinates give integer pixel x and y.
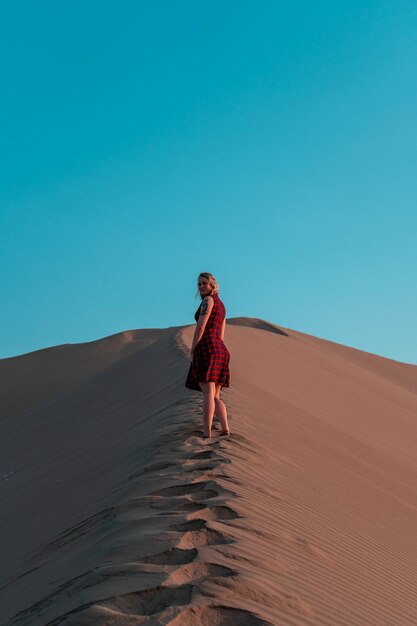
{"type": "Point", "coordinates": [211, 357]}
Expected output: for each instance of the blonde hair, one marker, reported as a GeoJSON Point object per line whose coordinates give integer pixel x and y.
{"type": "Point", "coordinates": [212, 282]}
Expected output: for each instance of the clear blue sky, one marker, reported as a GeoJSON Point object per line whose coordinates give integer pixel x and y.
{"type": "Point", "coordinates": [270, 143]}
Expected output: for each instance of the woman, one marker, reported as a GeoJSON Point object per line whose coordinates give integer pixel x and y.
{"type": "Point", "coordinates": [209, 369]}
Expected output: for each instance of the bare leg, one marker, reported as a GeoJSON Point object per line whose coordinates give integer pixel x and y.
{"type": "Point", "coordinates": [208, 390]}
{"type": "Point", "coordinates": [220, 409]}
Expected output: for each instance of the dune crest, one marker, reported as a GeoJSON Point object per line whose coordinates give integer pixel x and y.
{"type": "Point", "coordinates": [115, 511]}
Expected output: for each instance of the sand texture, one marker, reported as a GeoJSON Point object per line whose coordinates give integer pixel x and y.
{"type": "Point", "coordinates": [115, 511]}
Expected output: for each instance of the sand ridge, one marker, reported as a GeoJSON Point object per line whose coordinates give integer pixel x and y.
{"type": "Point", "coordinates": [164, 543]}
{"type": "Point", "coordinates": [115, 511]}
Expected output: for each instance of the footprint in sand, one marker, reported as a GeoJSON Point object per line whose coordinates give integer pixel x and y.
{"type": "Point", "coordinates": [196, 524]}
{"type": "Point", "coordinates": [177, 505]}
{"type": "Point", "coordinates": [207, 454]}
{"type": "Point", "coordinates": [220, 512]}
{"type": "Point", "coordinates": [156, 467]}
{"type": "Point", "coordinates": [219, 615]}
{"type": "Point", "coordinates": [203, 537]}
{"type": "Point", "coordinates": [173, 556]}
{"type": "Point", "coordinates": [182, 490]}
{"type": "Point", "coordinates": [197, 572]}
{"type": "Point", "coordinates": [149, 601]}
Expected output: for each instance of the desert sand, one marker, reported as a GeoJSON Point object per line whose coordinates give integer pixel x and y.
{"type": "Point", "coordinates": [115, 511]}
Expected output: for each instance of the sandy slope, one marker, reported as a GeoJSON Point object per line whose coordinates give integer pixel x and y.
{"type": "Point", "coordinates": [115, 511]}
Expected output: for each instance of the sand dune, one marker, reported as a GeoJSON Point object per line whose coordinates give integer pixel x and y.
{"type": "Point", "coordinates": [115, 511]}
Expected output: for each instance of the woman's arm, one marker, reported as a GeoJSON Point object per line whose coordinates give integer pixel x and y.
{"type": "Point", "coordinates": [206, 307]}
{"type": "Point", "coordinates": [223, 329]}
